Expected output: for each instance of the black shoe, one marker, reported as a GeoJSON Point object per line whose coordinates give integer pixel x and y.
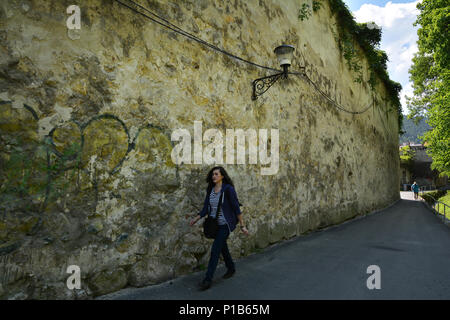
{"type": "Point", "coordinates": [229, 274]}
{"type": "Point", "coordinates": [205, 284]}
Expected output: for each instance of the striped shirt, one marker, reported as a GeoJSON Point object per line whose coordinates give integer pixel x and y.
{"type": "Point", "coordinates": [214, 202]}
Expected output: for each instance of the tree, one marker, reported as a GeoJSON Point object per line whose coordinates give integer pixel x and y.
{"type": "Point", "coordinates": [430, 74]}
{"type": "Point", "coordinates": [407, 157]}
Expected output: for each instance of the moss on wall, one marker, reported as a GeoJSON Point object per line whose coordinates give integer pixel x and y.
{"type": "Point", "coordinates": [85, 125]}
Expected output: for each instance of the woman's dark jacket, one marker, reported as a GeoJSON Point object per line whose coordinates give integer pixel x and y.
{"type": "Point", "coordinates": [230, 205]}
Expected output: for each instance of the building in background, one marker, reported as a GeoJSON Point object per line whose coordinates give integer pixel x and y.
{"type": "Point", "coordinates": [420, 170]}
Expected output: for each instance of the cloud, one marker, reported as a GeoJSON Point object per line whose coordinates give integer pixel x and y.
{"type": "Point", "coordinates": [406, 91]}
{"type": "Point", "coordinates": [399, 37]}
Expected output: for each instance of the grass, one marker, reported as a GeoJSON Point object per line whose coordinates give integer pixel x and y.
{"type": "Point", "coordinates": [445, 199]}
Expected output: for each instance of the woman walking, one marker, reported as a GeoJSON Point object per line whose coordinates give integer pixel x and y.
{"type": "Point", "coordinates": [415, 189]}
{"type": "Point", "coordinates": [229, 214]}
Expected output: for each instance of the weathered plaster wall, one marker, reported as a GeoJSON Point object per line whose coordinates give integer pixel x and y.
{"type": "Point", "coordinates": [85, 124]}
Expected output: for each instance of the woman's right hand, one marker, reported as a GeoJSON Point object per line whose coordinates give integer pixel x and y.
{"type": "Point", "coordinates": [193, 221]}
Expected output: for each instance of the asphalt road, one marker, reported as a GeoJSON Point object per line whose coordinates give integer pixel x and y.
{"type": "Point", "coordinates": [409, 244]}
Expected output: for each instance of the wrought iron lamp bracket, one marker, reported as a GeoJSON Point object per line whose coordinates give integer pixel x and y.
{"type": "Point", "coordinates": [263, 84]}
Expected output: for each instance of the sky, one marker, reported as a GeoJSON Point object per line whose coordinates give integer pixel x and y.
{"type": "Point", "coordinates": [399, 36]}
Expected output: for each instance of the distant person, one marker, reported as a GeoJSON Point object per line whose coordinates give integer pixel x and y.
{"type": "Point", "coordinates": [229, 215]}
{"type": "Point", "coordinates": [415, 189]}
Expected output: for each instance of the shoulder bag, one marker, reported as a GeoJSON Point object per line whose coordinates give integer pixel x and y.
{"type": "Point", "coordinates": [211, 226]}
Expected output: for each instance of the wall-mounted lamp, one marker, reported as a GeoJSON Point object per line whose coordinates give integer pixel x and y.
{"type": "Point", "coordinates": [284, 55]}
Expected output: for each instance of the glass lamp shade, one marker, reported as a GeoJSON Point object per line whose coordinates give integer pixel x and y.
{"type": "Point", "coordinates": [284, 54]}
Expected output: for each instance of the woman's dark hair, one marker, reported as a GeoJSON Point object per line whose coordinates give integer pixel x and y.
{"type": "Point", "coordinates": [226, 178]}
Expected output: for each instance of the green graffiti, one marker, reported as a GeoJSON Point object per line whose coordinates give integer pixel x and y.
{"type": "Point", "coordinates": [38, 172]}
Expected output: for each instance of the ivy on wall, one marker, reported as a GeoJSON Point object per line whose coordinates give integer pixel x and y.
{"type": "Point", "coordinates": [349, 36]}
{"type": "Point", "coordinates": [305, 10]}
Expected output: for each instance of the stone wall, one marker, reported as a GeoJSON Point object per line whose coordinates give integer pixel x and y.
{"type": "Point", "coordinates": [86, 119]}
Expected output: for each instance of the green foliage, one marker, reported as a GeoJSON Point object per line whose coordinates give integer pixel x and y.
{"type": "Point", "coordinates": [431, 197]}
{"type": "Point", "coordinates": [305, 10]}
{"type": "Point", "coordinates": [316, 5]}
{"type": "Point", "coordinates": [368, 39]}
{"type": "Point", "coordinates": [446, 200]}
{"type": "Point", "coordinates": [406, 157]}
{"type": "Point", "coordinates": [430, 74]}
{"type": "Point", "coordinates": [367, 35]}
{"type": "Point", "coordinates": [347, 47]}
{"type": "Point", "coordinates": [439, 137]}
{"type": "Point", "coordinates": [352, 34]}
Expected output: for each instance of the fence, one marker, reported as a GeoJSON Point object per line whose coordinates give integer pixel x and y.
{"type": "Point", "coordinates": [407, 187]}
{"type": "Point", "coordinates": [439, 208]}
{"type": "Point", "coordinates": [430, 187]}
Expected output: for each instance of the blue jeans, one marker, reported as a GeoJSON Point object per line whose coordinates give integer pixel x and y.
{"type": "Point", "coordinates": [219, 246]}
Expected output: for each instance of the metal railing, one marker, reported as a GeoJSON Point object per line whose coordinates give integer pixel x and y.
{"type": "Point", "coordinates": [436, 205]}
{"type": "Point", "coordinates": [407, 187]}
{"type": "Point", "coordinates": [429, 187]}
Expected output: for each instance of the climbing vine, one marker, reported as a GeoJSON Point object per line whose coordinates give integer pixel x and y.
{"type": "Point", "coordinates": [367, 36]}
{"type": "Point", "coordinates": [305, 10]}
{"type": "Point", "coordinates": [347, 47]}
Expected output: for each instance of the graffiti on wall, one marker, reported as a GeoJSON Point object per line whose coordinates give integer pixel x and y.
{"type": "Point", "coordinates": [73, 157]}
